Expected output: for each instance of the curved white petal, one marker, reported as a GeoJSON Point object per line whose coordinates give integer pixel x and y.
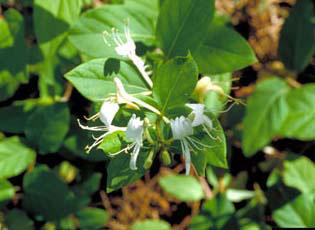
{"type": "Point", "coordinates": [134, 157]}
{"type": "Point", "coordinates": [198, 113]}
{"type": "Point", "coordinates": [181, 128]}
{"type": "Point", "coordinates": [134, 130]}
{"type": "Point", "coordinates": [108, 112]}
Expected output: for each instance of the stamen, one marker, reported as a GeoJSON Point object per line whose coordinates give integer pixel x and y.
{"type": "Point", "coordinates": [96, 128]}
{"type": "Point", "coordinates": [94, 117]}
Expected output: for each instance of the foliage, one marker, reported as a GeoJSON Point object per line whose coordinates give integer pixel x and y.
{"type": "Point", "coordinates": [92, 98]}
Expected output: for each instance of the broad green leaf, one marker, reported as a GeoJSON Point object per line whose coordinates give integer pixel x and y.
{"type": "Point", "coordinates": [89, 186]}
{"type": "Point", "coordinates": [297, 37]}
{"type": "Point", "coordinates": [265, 113]}
{"type": "Point", "coordinates": [299, 173]}
{"type": "Point", "coordinates": [89, 79]}
{"type": "Point", "coordinates": [15, 118]}
{"type": "Point", "coordinates": [87, 33]}
{"type": "Point", "coordinates": [183, 24]}
{"type": "Point", "coordinates": [184, 188]}
{"type": "Point", "coordinates": [216, 153]}
{"type": "Point", "coordinates": [16, 219]}
{"type": "Point", "coordinates": [47, 127]}
{"type": "Point", "coordinates": [222, 51]}
{"type": "Point", "coordinates": [6, 39]}
{"type": "Point", "coordinates": [15, 157]}
{"type": "Point", "coordinates": [119, 173]}
{"type": "Point", "coordinates": [300, 121]}
{"type": "Point", "coordinates": [174, 82]}
{"type": "Point", "coordinates": [113, 142]}
{"type": "Point", "coordinates": [217, 213]}
{"type": "Point", "coordinates": [298, 213]}
{"type": "Point", "coordinates": [13, 55]}
{"type": "Point", "coordinates": [47, 195]}
{"type": "Point", "coordinates": [52, 20]}
{"type": "Point", "coordinates": [7, 190]}
{"type": "Point", "coordinates": [92, 218]}
{"type": "Point", "coordinates": [86, 188]}
{"type": "Point", "coordinates": [151, 225]}
{"type": "Point", "coordinates": [199, 160]}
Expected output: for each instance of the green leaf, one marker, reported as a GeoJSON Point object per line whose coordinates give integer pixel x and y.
{"type": "Point", "coordinates": [89, 186]}
{"type": "Point", "coordinates": [151, 225]}
{"type": "Point", "coordinates": [299, 173]}
{"type": "Point", "coordinates": [119, 173]}
{"type": "Point", "coordinates": [174, 82]}
{"type": "Point", "coordinates": [13, 54]}
{"type": "Point", "coordinates": [216, 153]}
{"type": "Point", "coordinates": [184, 188]}
{"type": "Point", "coordinates": [89, 79]}
{"type": "Point", "coordinates": [300, 121]}
{"type": "Point", "coordinates": [223, 50]}
{"type": "Point", "coordinates": [7, 190]}
{"type": "Point", "coordinates": [47, 127]}
{"type": "Point", "coordinates": [15, 118]}
{"type": "Point", "coordinates": [47, 195]}
{"type": "Point", "coordinates": [86, 35]}
{"type": "Point", "coordinates": [17, 219]}
{"type": "Point", "coordinates": [217, 213]}
{"type": "Point", "coordinates": [297, 37]}
{"type": "Point", "coordinates": [113, 142]}
{"type": "Point", "coordinates": [182, 25]}
{"type": "Point", "coordinates": [298, 213]}
{"type": "Point", "coordinates": [265, 113]}
{"type": "Point", "coordinates": [14, 157]}
{"type": "Point", "coordinates": [92, 218]}
{"type": "Point", "coordinates": [52, 20]}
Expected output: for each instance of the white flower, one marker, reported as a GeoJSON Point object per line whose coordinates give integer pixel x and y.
{"type": "Point", "coordinates": [182, 130]}
{"type": "Point", "coordinates": [106, 115]}
{"type": "Point", "coordinates": [127, 49]}
{"type": "Point", "coordinates": [108, 112]}
{"type": "Point", "coordinates": [134, 133]}
{"type": "Point", "coordinates": [199, 118]}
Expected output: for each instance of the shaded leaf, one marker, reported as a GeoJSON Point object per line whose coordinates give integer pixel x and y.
{"type": "Point", "coordinates": [297, 37]}
{"type": "Point", "coordinates": [47, 127]}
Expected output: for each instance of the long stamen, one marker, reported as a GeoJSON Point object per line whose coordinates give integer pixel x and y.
{"type": "Point", "coordinates": [94, 117]}
{"type": "Point", "coordinates": [96, 128]}
{"type": "Point", "coordinates": [209, 134]}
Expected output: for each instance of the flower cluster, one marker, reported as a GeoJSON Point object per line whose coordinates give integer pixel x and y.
{"type": "Point", "coordinates": [182, 127]}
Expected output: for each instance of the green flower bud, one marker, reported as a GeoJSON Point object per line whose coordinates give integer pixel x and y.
{"type": "Point", "coordinates": [165, 158]}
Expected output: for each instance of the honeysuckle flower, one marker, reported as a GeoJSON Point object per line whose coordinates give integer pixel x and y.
{"type": "Point", "coordinates": [134, 133]}
{"type": "Point", "coordinates": [106, 115]}
{"type": "Point", "coordinates": [182, 130]}
{"type": "Point", "coordinates": [127, 49]}
{"type": "Point", "coordinates": [199, 118]}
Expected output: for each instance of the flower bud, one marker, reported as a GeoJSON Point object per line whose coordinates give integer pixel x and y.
{"type": "Point", "coordinates": [165, 158]}
{"type": "Point", "coordinates": [204, 85]}
{"type": "Point", "coordinates": [149, 161]}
